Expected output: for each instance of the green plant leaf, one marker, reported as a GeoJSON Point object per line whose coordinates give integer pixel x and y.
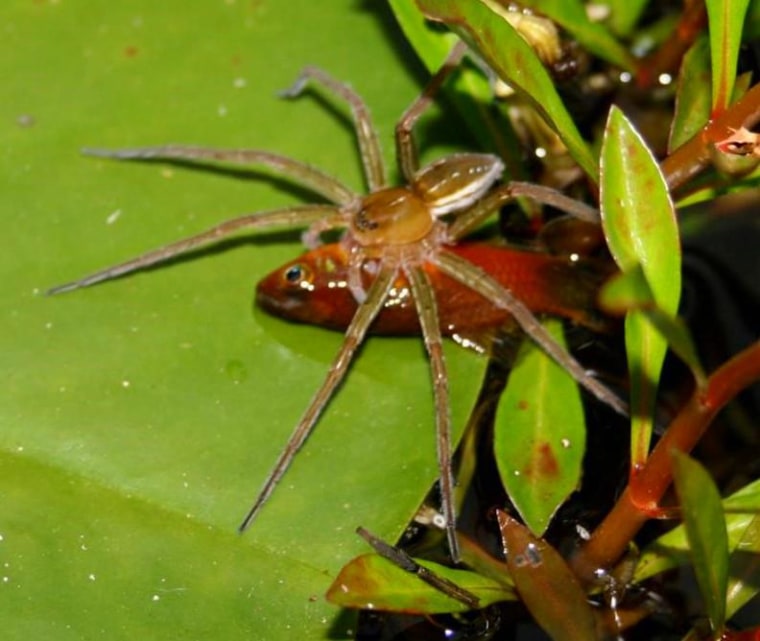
{"type": "Point", "coordinates": [725, 18]}
{"type": "Point", "coordinates": [693, 98]}
{"type": "Point", "coordinates": [706, 531]}
{"type": "Point", "coordinates": [516, 63]}
{"type": "Point", "coordinates": [744, 568]}
{"type": "Point", "coordinates": [629, 291]}
{"type": "Point", "coordinates": [625, 14]}
{"type": "Point", "coordinates": [671, 549]}
{"type": "Point", "coordinates": [594, 36]}
{"type": "Point", "coordinates": [372, 582]}
{"type": "Point", "coordinates": [162, 390]}
{"type": "Point", "coordinates": [639, 223]}
{"type": "Point", "coordinates": [431, 45]}
{"type": "Point", "coordinates": [540, 434]}
{"type": "Point", "coordinates": [545, 583]}
{"type": "Point", "coordinates": [469, 91]}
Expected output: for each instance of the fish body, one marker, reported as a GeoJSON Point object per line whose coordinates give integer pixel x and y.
{"type": "Point", "coordinates": [314, 289]}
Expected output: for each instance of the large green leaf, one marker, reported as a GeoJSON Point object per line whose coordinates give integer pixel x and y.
{"type": "Point", "coordinates": [145, 413]}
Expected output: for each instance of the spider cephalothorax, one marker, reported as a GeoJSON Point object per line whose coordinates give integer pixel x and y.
{"type": "Point", "coordinates": [393, 232]}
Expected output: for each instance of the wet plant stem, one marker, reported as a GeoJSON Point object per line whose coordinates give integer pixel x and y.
{"type": "Point", "coordinates": [640, 499]}
{"type": "Point", "coordinates": [668, 57]}
{"type": "Point", "coordinates": [695, 154]}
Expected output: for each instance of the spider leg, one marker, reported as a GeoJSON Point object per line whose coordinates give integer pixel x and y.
{"type": "Point", "coordinates": [355, 284]}
{"type": "Point", "coordinates": [366, 134]}
{"type": "Point", "coordinates": [300, 172]}
{"type": "Point", "coordinates": [549, 196]}
{"type": "Point", "coordinates": [480, 281]}
{"type": "Point", "coordinates": [355, 334]}
{"type": "Point", "coordinates": [311, 238]}
{"type": "Point", "coordinates": [470, 218]}
{"type": "Point", "coordinates": [406, 151]}
{"type": "Point", "coordinates": [301, 215]}
{"type": "Point", "coordinates": [427, 311]}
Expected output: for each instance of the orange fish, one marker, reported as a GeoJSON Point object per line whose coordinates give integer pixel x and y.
{"type": "Point", "coordinates": [314, 289]}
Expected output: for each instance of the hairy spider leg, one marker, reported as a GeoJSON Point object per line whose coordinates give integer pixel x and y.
{"type": "Point", "coordinates": [406, 150]}
{"type": "Point", "coordinates": [300, 215]}
{"type": "Point", "coordinates": [354, 337]}
{"type": "Point", "coordinates": [480, 281]}
{"type": "Point", "coordinates": [366, 133]}
{"type": "Point", "coordinates": [297, 171]}
{"type": "Point", "coordinates": [427, 310]}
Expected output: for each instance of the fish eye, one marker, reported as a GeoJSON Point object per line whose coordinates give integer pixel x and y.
{"type": "Point", "coordinates": [298, 274]}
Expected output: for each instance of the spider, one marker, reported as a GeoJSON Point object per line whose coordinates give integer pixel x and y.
{"type": "Point", "coordinates": [391, 231]}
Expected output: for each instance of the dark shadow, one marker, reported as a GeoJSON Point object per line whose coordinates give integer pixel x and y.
{"type": "Point", "coordinates": [279, 182]}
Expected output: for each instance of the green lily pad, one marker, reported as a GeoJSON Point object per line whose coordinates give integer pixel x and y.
{"type": "Point", "coordinates": [146, 412]}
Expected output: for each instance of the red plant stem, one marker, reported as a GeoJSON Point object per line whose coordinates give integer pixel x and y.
{"type": "Point", "coordinates": [694, 155]}
{"type": "Point", "coordinates": [668, 57]}
{"type": "Point", "coordinates": [611, 538]}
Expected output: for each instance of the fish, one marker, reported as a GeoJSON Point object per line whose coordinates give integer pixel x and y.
{"type": "Point", "coordinates": [314, 289]}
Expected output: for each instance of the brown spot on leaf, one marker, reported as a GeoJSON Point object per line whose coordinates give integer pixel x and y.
{"type": "Point", "coordinates": [547, 462]}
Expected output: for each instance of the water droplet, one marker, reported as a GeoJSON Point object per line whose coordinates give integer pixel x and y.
{"type": "Point", "coordinates": [25, 120]}
{"type": "Point", "coordinates": [91, 577]}
{"type": "Point", "coordinates": [113, 216]}
{"type": "Point", "coordinates": [125, 383]}
{"type": "Point", "coordinates": [155, 597]}
{"type": "Point", "coordinates": [565, 443]}
{"type": "Point", "coordinates": [439, 521]}
{"type": "Point", "coordinates": [236, 371]}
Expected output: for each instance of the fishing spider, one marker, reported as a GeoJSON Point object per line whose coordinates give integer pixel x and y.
{"type": "Point", "coordinates": [388, 232]}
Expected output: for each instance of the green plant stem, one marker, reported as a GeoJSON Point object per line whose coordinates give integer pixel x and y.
{"type": "Point", "coordinates": [610, 540]}
{"type": "Point", "coordinates": [695, 154]}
